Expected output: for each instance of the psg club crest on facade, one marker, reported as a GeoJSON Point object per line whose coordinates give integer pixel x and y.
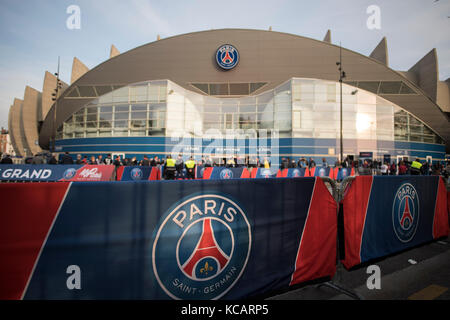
{"type": "Point", "coordinates": [201, 247]}
{"type": "Point", "coordinates": [405, 212]}
{"type": "Point", "coordinates": [227, 56]}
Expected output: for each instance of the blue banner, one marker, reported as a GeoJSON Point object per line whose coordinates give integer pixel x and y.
{"type": "Point", "coordinates": [266, 173]}
{"type": "Point", "coordinates": [322, 171]}
{"type": "Point", "coordinates": [388, 214]}
{"type": "Point", "coordinates": [223, 173]}
{"type": "Point", "coordinates": [196, 240]}
{"type": "Point", "coordinates": [295, 172]}
{"type": "Point", "coordinates": [136, 173]}
{"type": "Point", "coordinates": [399, 215]}
{"type": "Point", "coordinates": [25, 172]}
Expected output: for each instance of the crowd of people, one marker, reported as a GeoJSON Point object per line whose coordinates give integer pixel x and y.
{"type": "Point", "coordinates": [174, 167]}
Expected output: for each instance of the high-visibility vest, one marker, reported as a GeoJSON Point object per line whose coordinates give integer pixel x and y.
{"type": "Point", "coordinates": [190, 164]}
{"type": "Point", "coordinates": [266, 164]}
{"type": "Point", "coordinates": [416, 165]}
{"type": "Point", "coordinates": [170, 163]}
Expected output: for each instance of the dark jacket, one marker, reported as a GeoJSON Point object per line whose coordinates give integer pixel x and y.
{"type": "Point", "coordinates": [66, 159]}
{"type": "Point", "coordinates": [6, 160]}
{"type": "Point", "coordinates": [52, 161]}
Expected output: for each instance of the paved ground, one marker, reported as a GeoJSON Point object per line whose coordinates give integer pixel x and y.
{"type": "Point", "coordinates": [401, 279]}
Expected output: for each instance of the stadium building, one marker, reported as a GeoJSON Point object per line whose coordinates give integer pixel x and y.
{"type": "Point", "coordinates": [173, 94]}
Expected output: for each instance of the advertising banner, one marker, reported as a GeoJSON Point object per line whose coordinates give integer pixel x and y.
{"type": "Point", "coordinates": [265, 173]}
{"type": "Point", "coordinates": [197, 239]}
{"type": "Point", "coordinates": [387, 214]}
{"type": "Point", "coordinates": [340, 174]}
{"type": "Point", "coordinates": [139, 173]}
{"type": "Point", "coordinates": [30, 172]}
{"type": "Point", "coordinates": [293, 173]}
{"type": "Point", "coordinates": [319, 172]}
{"type": "Point", "coordinates": [90, 173]}
{"type": "Point", "coordinates": [223, 173]}
{"type": "Point", "coordinates": [46, 173]}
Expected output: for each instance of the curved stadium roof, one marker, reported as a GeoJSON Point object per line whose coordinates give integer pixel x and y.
{"type": "Point", "coordinates": [265, 56]}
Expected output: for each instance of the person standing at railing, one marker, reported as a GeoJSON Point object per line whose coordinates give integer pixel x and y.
{"type": "Point", "coordinates": [393, 169]}
{"type": "Point", "coordinates": [266, 163]}
{"type": "Point", "coordinates": [145, 162]}
{"type": "Point", "coordinates": [190, 168]}
{"type": "Point", "coordinates": [52, 160]}
{"type": "Point", "coordinates": [312, 163]}
{"type": "Point", "coordinates": [79, 160]}
{"type": "Point", "coordinates": [402, 169]}
{"type": "Point", "coordinates": [66, 159]}
{"type": "Point", "coordinates": [416, 167]}
{"type": "Point", "coordinates": [92, 161]}
{"type": "Point", "coordinates": [100, 159]}
{"type": "Point", "coordinates": [108, 160]}
{"type": "Point", "coordinates": [302, 163]}
{"type": "Point", "coordinates": [38, 159]}
{"type": "Point", "coordinates": [117, 162]}
{"type": "Point", "coordinates": [6, 159]}
{"type": "Point", "coordinates": [169, 170]}
{"type": "Point", "coordinates": [179, 164]}
{"type": "Point", "coordinates": [384, 169]}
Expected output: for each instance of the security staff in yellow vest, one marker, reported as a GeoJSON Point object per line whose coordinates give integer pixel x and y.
{"type": "Point", "coordinates": [190, 168]}
{"type": "Point", "coordinates": [415, 167]}
{"type": "Point", "coordinates": [169, 170]}
{"type": "Point", "coordinates": [266, 163]}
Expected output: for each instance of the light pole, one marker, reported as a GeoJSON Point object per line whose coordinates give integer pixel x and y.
{"type": "Point", "coordinates": [54, 98]}
{"type": "Point", "coordinates": [341, 77]}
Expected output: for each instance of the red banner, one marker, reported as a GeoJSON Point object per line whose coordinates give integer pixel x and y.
{"type": "Point", "coordinates": [93, 173]}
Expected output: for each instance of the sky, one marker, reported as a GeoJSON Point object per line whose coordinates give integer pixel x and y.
{"type": "Point", "coordinates": [33, 33]}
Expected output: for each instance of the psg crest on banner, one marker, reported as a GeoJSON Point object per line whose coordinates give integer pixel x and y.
{"type": "Point", "coordinates": [405, 212]}
{"type": "Point", "coordinates": [226, 174]}
{"type": "Point", "coordinates": [69, 173]}
{"type": "Point", "coordinates": [227, 56]}
{"type": "Point", "coordinates": [136, 174]}
{"type": "Point", "coordinates": [201, 248]}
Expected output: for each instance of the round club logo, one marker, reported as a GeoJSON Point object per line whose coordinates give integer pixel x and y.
{"type": "Point", "coordinates": [226, 174]}
{"type": "Point", "coordinates": [69, 173]}
{"type": "Point", "coordinates": [136, 174]}
{"type": "Point", "coordinates": [322, 172]}
{"type": "Point", "coordinates": [344, 173]}
{"type": "Point", "coordinates": [266, 173]}
{"type": "Point", "coordinates": [405, 212]}
{"type": "Point", "coordinates": [295, 173]}
{"type": "Point", "coordinates": [227, 56]}
{"type": "Point", "coordinates": [201, 248]}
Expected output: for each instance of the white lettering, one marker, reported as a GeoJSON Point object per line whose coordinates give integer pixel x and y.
{"type": "Point", "coordinates": [208, 207]}
{"type": "Point", "coordinates": [74, 20]}
{"type": "Point", "coordinates": [374, 20]}
{"type": "Point", "coordinates": [177, 220]}
{"type": "Point", "coordinates": [46, 173]}
{"type": "Point", "coordinates": [229, 215]}
{"type": "Point", "coordinates": [374, 281]}
{"type": "Point", "coordinates": [194, 210]}
{"type": "Point", "coordinates": [74, 281]}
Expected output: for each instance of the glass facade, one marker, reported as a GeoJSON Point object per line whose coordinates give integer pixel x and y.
{"type": "Point", "coordinates": [299, 108]}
